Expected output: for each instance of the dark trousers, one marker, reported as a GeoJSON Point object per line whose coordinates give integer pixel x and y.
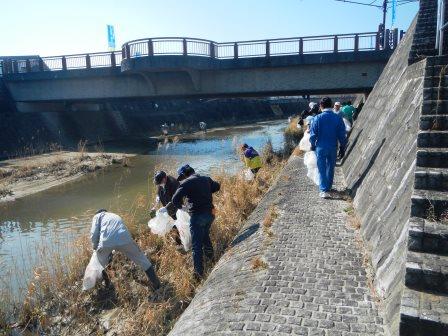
{"type": "Point", "coordinates": [200, 235]}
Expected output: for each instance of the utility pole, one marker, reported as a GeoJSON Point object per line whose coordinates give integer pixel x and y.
{"type": "Point", "coordinates": [385, 3]}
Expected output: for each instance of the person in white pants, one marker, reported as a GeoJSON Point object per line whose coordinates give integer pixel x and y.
{"type": "Point", "coordinates": [109, 233]}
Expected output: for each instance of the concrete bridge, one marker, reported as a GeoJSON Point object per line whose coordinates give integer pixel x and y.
{"type": "Point", "coordinates": [186, 67]}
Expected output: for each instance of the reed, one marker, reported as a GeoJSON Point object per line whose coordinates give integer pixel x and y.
{"type": "Point", "coordinates": [55, 303]}
{"type": "Point", "coordinates": [292, 136]}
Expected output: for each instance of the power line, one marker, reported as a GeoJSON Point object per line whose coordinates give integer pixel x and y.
{"type": "Point", "coordinates": [361, 3]}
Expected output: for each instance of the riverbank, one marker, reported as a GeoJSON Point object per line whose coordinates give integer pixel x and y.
{"type": "Point", "coordinates": [55, 304]}
{"type": "Point", "coordinates": [25, 176]}
{"type": "Point", "coordinates": [297, 266]}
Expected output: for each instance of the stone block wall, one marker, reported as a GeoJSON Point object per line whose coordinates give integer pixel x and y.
{"type": "Point", "coordinates": [379, 170]}
{"type": "Point", "coordinates": [424, 36]}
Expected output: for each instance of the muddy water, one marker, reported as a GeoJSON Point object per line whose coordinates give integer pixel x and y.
{"type": "Point", "coordinates": [34, 227]}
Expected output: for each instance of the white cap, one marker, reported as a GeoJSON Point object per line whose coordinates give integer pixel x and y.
{"type": "Point", "coordinates": [311, 104]}
{"type": "Point", "coordinates": [337, 103]}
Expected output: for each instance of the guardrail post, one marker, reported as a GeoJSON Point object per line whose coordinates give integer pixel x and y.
{"type": "Point", "coordinates": [127, 51]}
{"type": "Point", "coordinates": [184, 47]}
{"type": "Point", "coordinates": [64, 63]}
{"type": "Point", "coordinates": [150, 48]}
{"type": "Point", "coordinates": [377, 41]}
{"type": "Point", "coordinates": [268, 49]}
{"type": "Point", "coordinates": [123, 53]}
{"type": "Point", "coordinates": [395, 38]}
{"type": "Point", "coordinates": [28, 65]}
{"type": "Point", "coordinates": [386, 40]}
{"type": "Point", "coordinates": [88, 65]}
{"type": "Point", "coordinates": [356, 43]}
{"type": "Point", "coordinates": [301, 46]}
{"type": "Point", "coordinates": [212, 50]}
{"type": "Point", "coordinates": [113, 61]}
{"type": "Point", "coordinates": [335, 49]}
{"type": "Point", "coordinates": [41, 64]}
{"type": "Point", "coordinates": [15, 67]}
{"type": "Point", "coordinates": [235, 50]}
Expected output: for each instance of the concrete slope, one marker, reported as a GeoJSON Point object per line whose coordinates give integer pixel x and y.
{"type": "Point", "coordinates": [313, 283]}
{"type": "Point", "coordinates": [379, 169]}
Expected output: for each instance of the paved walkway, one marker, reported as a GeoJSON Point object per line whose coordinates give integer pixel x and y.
{"type": "Point", "coordinates": [314, 282]}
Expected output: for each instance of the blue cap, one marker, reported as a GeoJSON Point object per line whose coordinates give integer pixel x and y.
{"type": "Point", "coordinates": [183, 169]}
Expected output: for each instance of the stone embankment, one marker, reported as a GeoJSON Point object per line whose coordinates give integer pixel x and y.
{"type": "Point", "coordinates": [299, 271]}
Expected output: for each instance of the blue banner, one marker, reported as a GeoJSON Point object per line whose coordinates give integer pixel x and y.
{"type": "Point", "coordinates": [394, 11]}
{"type": "Point", "coordinates": [110, 37]}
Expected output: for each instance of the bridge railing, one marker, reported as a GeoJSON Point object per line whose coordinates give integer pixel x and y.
{"type": "Point", "coordinates": [67, 62]}
{"type": "Point", "coordinates": [340, 43]}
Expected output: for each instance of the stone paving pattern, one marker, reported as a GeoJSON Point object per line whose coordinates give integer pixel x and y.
{"type": "Point", "coordinates": [314, 282]}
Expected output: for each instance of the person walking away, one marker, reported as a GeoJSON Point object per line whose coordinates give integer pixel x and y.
{"type": "Point", "coordinates": [166, 187]}
{"type": "Point", "coordinates": [109, 233]}
{"type": "Point", "coordinates": [327, 129]}
{"type": "Point", "coordinates": [251, 158]}
{"type": "Point", "coordinates": [337, 108]}
{"type": "Point", "coordinates": [197, 191]}
{"type": "Point", "coordinates": [348, 111]}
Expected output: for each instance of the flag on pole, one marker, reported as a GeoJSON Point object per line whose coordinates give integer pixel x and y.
{"type": "Point", "coordinates": [394, 11]}
{"type": "Point", "coordinates": [110, 37]}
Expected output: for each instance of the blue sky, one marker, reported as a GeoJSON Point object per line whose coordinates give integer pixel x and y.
{"type": "Point", "coordinates": [56, 27]}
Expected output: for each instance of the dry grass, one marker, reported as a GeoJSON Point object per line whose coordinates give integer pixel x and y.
{"type": "Point", "coordinates": [258, 263]}
{"type": "Point", "coordinates": [268, 220]}
{"type": "Point", "coordinates": [292, 136]}
{"type": "Point", "coordinates": [55, 302]}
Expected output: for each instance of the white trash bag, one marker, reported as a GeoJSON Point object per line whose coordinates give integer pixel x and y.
{"type": "Point", "coordinates": [305, 144]}
{"type": "Point", "coordinates": [348, 126]}
{"type": "Point", "coordinates": [310, 161]}
{"type": "Point", "coordinates": [183, 226]}
{"type": "Point", "coordinates": [161, 224]}
{"type": "Point", "coordinates": [248, 175]}
{"type": "Point", "coordinates": [93, 273]}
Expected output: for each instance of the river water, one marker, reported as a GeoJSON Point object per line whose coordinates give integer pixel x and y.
{"type": "Point", "coordinates": [43, 223]}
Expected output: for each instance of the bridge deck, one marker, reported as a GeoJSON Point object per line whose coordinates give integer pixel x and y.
{"type": "Point", "coordinates": [314, 284]}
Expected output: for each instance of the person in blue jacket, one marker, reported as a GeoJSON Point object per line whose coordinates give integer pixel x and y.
{"type": "Point", "coordinates": [197, 190]}
{"type": "Point", "coordinates": [327, 129]}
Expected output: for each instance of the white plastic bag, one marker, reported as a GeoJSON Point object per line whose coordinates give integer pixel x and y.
{"type": "Point", "coordinates": [248, 175]}
{"type": "Point", "coordinates": [305, 144]}
{"type": "Point", "coordinates": [93, 273]}
{"type": "Point", "coordinates": [161, 224]}
{"type": "Point", "coordinates": [348, 126]}
{"type": "Point", "coordinates": [310, 161]}
{"type": "Point", "coordinates": [183, 226]}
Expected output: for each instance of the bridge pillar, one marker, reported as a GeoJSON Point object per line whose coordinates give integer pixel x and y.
{"type": "Point", "coordinates": [113, 61]}
{"type": "Point", "coordinates": [150, 48]}
{"type": "Point", "coordinates": [64, 63]}
{"type": "Point", "coordinates": [212, 50]}
{"type": "Point", "coordinates": [184, 47]}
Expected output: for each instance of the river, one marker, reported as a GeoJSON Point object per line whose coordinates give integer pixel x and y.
{"type": "Point", "coordinates": [38, 225]}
